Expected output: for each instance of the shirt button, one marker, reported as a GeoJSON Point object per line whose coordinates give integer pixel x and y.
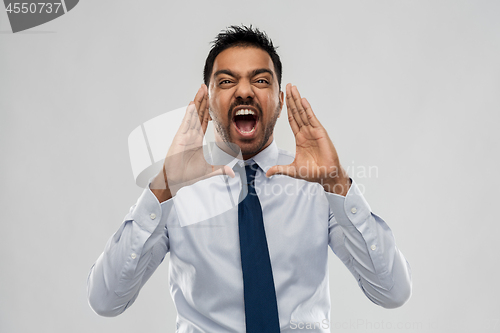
{"type": "Point", "coordinates": [373, 247]}
{"type": "Point", "coordinates": [353, 210]}
{"type": "Point", "coordinates": [152, 216]}
{"type": "Point", "coordinates": [133, 256]}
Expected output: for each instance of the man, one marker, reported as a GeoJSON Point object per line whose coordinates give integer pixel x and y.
{"type": "Point", "coordinates": [260, 264]}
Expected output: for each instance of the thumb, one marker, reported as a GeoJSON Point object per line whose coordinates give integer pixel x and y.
{"type": "Point", "coordinates": [287, 170]}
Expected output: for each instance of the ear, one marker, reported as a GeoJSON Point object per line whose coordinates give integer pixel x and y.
{"type": "Point", "coordinates": [281, 102]}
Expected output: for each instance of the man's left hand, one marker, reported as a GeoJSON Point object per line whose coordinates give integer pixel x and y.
{"type": "Point", "coordinates": [316, 159]}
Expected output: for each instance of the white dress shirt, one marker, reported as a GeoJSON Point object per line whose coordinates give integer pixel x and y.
{"type": "Point", "coordinates": [199, 227]}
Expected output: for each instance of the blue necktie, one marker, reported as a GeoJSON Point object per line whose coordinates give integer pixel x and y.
{"type": "Point", "coordinates": [261, 308]}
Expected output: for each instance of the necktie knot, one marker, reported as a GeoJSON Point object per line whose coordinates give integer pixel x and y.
{"type": "Point", "coordinates": [251, 171]}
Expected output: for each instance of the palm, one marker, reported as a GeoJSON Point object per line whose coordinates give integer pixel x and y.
{"type": "Point", "coordinates": [316, 159]}
{"type": "Point", "coordinates": [185, 163]}
{"type": "Point", "coordinates": [314, 152]}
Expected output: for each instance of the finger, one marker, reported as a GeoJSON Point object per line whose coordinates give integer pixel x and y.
{"type": "Point", "coordinates": [195, 118]}
{"type": "Point", "coordinates": [198, 102]}
{"type": "Point", "coordinates": [300, 108]}
{"type": "Point", "coordinates": [287, 170]}
{"type": "Point", "coordinates": [199, 97]}
{"type": "Point", "coordinates": [205, 115]}
{"type": "Point", "coordinates": [293, 124]}
{"type": "Point", "coordinates": [186, 121]}
{"type": "Point", "coordinates": [310, 114]}
{"type": "Point", "coordinates": [291, 119]}
{"type": "Point", "coordinates": [292, 109]}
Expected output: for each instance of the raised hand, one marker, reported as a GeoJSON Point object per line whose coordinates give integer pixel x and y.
{"type": "Point", "coordinates": [316, 159]}
{"type": "Point", "coordinates": [185, 164]}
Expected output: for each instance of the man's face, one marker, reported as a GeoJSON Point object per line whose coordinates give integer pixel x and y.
{"type": "Point", "coordinates": [245, 100]}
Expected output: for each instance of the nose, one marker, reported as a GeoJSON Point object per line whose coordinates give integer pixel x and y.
{"type": "Point", "coordinates": [244, 90]}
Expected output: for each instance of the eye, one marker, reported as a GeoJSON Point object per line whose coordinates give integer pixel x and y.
{"type": "Point", "coordinates": [262, 81]}
{"type": "Point", "coordinates": [225, 82]}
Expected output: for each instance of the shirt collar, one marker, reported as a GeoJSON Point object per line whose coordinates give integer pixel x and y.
{"type": "Point", "coordinates": [268, 157]}
{"type": "Point", "coordinates": [265, 159]}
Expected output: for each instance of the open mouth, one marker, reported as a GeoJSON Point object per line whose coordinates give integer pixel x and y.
{"type": "Point", "coordinates": [245, 121]}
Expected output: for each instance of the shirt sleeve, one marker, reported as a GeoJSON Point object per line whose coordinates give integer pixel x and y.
{"type": "Point", "coordinates": [366, 245]}
{"type": "Point", "coordinates": [130, 256]}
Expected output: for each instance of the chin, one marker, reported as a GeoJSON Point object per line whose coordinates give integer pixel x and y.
{"type": "Point", "coordinates": [251, 148]}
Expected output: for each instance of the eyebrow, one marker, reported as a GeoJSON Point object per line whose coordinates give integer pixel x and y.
{"type": "Point", "coordinates": [252, 74]}
{"type": "Point", "coordinates": [262, 70]}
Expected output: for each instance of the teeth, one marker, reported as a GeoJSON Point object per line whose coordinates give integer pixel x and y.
{"type": "Point", "coordinates": [244, 112]}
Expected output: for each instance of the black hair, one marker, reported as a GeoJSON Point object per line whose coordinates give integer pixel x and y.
{"type": "Point", "coordinates": [241, 36]}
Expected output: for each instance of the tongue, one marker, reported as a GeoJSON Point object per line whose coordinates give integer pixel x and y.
{"type": "Point", "coordinates": [245, 125]}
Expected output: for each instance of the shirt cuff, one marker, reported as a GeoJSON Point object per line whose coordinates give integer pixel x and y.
{"type": "Point", "coordinates": [368, 238]}
{"type": "Point", "coordinates": [148, 211]}
{"type": "Point", "coordinates": [351, 209]}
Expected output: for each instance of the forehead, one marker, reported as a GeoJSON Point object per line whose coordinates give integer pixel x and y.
{"type": "Point", "coordinates": [242, 60]}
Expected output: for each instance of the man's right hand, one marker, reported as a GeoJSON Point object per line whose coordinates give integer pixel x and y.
{"type": "Point", "coordinates": [185, 164]}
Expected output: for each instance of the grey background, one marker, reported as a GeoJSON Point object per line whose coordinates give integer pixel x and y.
{"type": "Point", "coordinates": [411, 87]}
